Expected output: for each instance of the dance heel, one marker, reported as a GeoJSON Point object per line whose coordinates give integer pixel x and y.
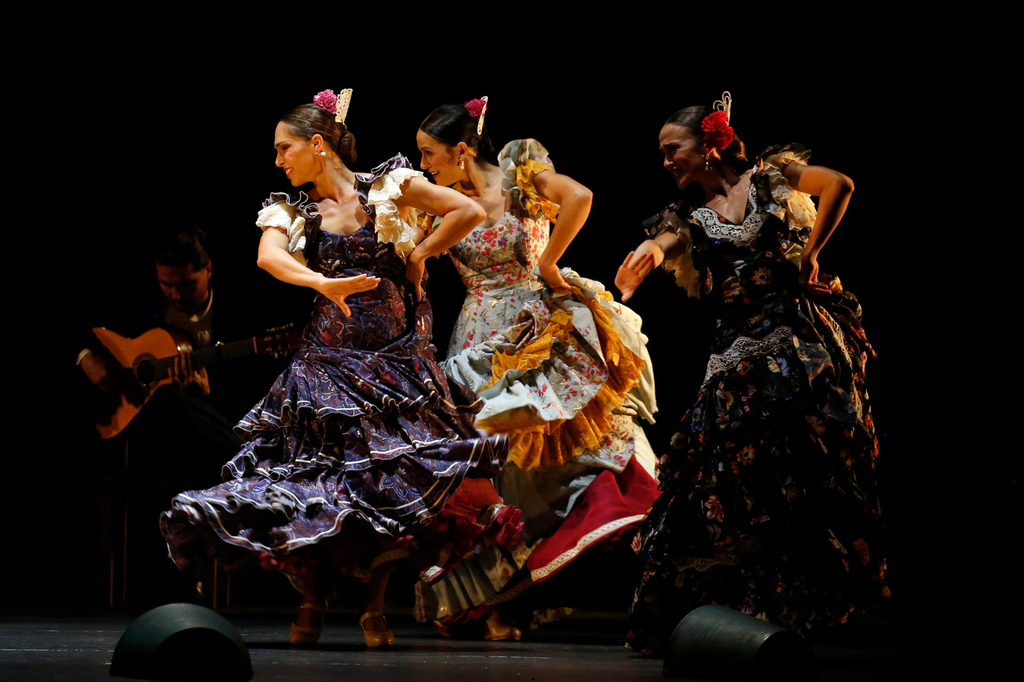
{"type": "Point", "coordinates": [496, 632]}
{"type": "Point", "coordinates": [300, 635]}
{"type": "Point", "coordinates": [375, 639]}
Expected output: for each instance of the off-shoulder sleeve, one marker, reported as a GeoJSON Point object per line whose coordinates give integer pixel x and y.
{"type": "Point", "coordinates": [688, 275]}
{"type": "Point", "coordinates": [381, 188]}
{"type": "Point", "coordinates": [520, 162]}
{"type": "Point", "coordinates": [800, 212]}
{"type": "Point", "coordinates": [292, 217]}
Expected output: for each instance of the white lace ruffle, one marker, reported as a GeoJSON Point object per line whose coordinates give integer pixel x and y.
{"type": "Point", "coordinates": [281, 216]}
{"type": "Point", "coordinates": [799, 207]}
{"type": "Point", "coordinates": [745, 347]}
{"type": "Point", "coordinates": [389, 224]}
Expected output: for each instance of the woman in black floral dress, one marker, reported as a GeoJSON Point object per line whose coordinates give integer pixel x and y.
{"type": "Point", "coordinates": [768, 498]}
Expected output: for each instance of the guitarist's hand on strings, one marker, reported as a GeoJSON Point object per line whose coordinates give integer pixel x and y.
{"type": "Point", "coordinates": [190, 379]}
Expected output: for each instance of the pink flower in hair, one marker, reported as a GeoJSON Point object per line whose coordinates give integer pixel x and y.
{"type": "Point", "coordinates": [475, 107]}
{"type": "Point", "coordinates": [327, 101]}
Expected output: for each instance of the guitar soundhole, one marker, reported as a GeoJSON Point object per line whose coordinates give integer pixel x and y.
{"type": "Point", "coordinates": [145, 371]}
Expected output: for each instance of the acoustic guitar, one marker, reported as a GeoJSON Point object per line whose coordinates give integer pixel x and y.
{"type": "Point", "coordinates": [150, 359]}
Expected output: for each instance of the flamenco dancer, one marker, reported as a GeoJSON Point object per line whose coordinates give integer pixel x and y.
{"type": "Point", "coordinates": [562, 368]}
{"type": "Point", "coordinates": [362, 439]}
{"type": "Point", "coordinates": [769, 503]}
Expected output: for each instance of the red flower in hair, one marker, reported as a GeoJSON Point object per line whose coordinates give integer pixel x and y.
{"type": "Point", "coordinates": [475, 107]}
{"type": "Point", "coordinates": [717, 132]}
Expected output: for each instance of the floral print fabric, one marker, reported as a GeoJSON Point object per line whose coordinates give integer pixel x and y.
{"type": "Point", "coordinates": [769, 503]}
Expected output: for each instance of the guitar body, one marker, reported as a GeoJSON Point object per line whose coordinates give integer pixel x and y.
{"type": "Point", "coordinates": [138, 354]}
{"type": "Point", "coordinates": [150, 358]}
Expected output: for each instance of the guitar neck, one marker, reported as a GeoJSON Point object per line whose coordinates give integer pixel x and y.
{"type": "Point", "coordinates": [207, 357]}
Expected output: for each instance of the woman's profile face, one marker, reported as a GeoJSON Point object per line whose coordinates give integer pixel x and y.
{"type": "Point", "coordinates": [295, 156]}
{"type": "Point", "coordinates": [684, 156]}
{"type": "Point", "coordinates": [438, 159]}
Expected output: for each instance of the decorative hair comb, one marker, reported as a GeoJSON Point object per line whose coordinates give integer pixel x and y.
{"type": "Point", "coordinates": [477, 108]}
{"type": "Point", "coordinates": [344, 99]}
{"type": "Point", "coordinates": [724, 104]}
{"type": "Point", "coordinates": [334, 104]}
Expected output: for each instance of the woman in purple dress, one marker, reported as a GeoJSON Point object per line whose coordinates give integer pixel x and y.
{"type": "Point", "coordinates": [362, 440]}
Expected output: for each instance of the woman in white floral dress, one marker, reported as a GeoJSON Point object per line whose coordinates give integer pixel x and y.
{"type": "Point", "coordinates": [563, 370]}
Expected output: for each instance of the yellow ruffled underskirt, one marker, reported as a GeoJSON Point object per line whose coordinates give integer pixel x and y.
{"type": "Point", "coordinates": [538, 444]}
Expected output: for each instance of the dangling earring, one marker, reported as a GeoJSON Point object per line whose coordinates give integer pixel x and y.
{"type": "Point", "coordinates": [462, 163]}
{"type": "Point", "coordinates": [707, 161]}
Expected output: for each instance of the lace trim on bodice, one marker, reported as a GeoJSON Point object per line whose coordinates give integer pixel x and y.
{"type": "Point", "coordinates": [745, 347]}
{"type": "Point", "coordinates": [744, 234]}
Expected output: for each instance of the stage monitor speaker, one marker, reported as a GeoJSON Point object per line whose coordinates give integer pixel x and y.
{"type": "Point", "coordinates": [718, 643]}
{"type": "Point", "coordinates": [181, 642]}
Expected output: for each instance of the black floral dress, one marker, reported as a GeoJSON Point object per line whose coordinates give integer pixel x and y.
{"type": "Point", "coordinates": [769, 503]}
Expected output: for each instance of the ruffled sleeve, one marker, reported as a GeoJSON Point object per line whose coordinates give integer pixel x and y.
{"type": "Point", "coordinates": [378, 192]}
{"type": "Point", "coordinates": [293, 217]}
{"type": "Point", "coordinates": [520, 162]}
{"type": "Point", "coordinates": [797, 209]}
{"type": "Point", "coordinates": [688, 275]}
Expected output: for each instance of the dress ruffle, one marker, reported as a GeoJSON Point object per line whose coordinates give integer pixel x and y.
{"type": "Point", "coordinates": [368, 388]}
{"type": "Point", "coordinates": [800, 212]}
{"type": "Point", "coordinates": [520, 162]}
{"type": "Point", "coordinates": [290, 216]}
{"type": "Point", "coordinates": [551, 405]}
{"type": "Point", "coordinates": [381, 188]}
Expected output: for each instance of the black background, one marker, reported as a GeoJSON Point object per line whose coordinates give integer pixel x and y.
{"type": "Point", "coordinates": [184, 132]}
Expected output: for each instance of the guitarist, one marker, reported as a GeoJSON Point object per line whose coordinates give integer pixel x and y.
{"type": "Point", "coordinates": [183, 270]}
{"type": "Point", "coordinates": [183, 434]}
{"type": "Point", "coordinates": [189, 422]}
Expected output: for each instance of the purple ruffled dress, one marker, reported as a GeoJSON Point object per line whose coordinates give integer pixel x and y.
{"type": "Point", "coordinates": [361, 440]}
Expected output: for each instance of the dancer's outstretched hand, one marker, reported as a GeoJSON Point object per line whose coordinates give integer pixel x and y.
{"type": "Point", "coordinates": [632, 272]}
{"type": "Point", "coordinates": [338, 289]}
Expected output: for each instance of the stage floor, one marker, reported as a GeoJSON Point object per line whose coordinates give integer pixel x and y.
{"type": "Point", "coordinates": [586, 647]}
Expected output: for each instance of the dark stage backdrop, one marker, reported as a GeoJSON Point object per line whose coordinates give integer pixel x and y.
{"type": "Point", "coordinates": [195, 144]}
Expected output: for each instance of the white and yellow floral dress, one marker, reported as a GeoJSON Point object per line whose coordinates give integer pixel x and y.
{"type": "Point", "coordinates": [555, 372]}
